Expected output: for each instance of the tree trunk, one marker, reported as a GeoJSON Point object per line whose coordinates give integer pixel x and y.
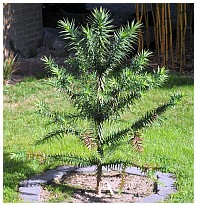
{"type": "Point", "coordinates": [99, 165]}
{"type": "Point", "coordinates": [99, 178]}
{"type": "Point", "coordinates": [99, 125]}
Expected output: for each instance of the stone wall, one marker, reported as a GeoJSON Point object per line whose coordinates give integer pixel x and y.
{"type": "Point", "coordinates": [22, 27]}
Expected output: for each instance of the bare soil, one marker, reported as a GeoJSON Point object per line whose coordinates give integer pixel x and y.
{"type": "Point", "coordinates": [135, 188]}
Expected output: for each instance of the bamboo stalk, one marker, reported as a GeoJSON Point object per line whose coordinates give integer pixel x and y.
{"type": "Point", "coordinates": [137, 18]}
{"type": "Point", "coordinates": [157, 33]}
{"type": "Point", "coordinates": [178, 34]}
{"type": "Point", "coordinates": [142, 11]}
{"type": "Point", "coordinates": [170, 28]}
{"type": "Point", "coordinates": [190, 22]}
{"type": "Point", "coordinates": [141, 35]}
{"type": "Point", "coordinates": [147, 28]}
{"type": "Point", "coordinates": [184, 32]}
{"type": "Point", "coordinates": [154, 27]}
{"type": "Point", "coordinates": [163, 33]}
{"type": "Point", "coordinates": [137, 11]}
{"type": "Point", "coordinates": [159, 30]}
{"type": "Point", "coordinates": [166, 35]}
{"type": "Point", "coordinates": [181, 29]}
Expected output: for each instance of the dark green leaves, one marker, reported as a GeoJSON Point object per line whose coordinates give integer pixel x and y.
{"type": "Point", "coordinates": [70, 32]}
{"type": "Point", "coordinates": [140, 61]}
{"type": "Point", "coordinates": [123, 40]}
{"type": "Point", "coordinates": [101, 26]}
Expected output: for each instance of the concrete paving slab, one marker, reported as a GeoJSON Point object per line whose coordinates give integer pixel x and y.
{"type": "Point", "coordinates": [134, 171]}
{"type": "Point", "coordinates": [30, 189]}
{"type": "Point", "coordinates": [30, 194]}
{"type": "Point", "coordinates": [153, 198]}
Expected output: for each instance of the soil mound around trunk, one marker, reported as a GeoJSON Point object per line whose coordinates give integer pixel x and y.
{"type": "Point", "coordinates": [134, 189]}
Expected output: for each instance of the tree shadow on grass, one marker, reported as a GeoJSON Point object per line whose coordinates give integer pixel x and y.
{"type": "Point", "coordinates": [178, 80]}
{"type": "Point", "coordinates": [15, 171]}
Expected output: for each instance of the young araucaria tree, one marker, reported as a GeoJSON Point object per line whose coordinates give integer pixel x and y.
{"type": "Point", "coordinates": [100, 85]}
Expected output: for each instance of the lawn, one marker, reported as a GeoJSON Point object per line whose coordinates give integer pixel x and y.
{"type": "Point", "coordinates": [168, 143]}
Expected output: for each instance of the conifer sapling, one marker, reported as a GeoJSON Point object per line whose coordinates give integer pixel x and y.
{"type": "Point", "coordinates": [101, 87]}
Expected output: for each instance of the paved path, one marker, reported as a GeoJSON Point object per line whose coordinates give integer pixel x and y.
{"type": "Point", "coordinates": [30, 189]}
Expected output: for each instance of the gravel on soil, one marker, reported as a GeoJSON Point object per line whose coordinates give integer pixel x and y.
{"type": "Point", "coordinates": [135, 188]}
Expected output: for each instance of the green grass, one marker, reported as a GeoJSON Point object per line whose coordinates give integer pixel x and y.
{"type": "Point", "coordinates": [169, 144]}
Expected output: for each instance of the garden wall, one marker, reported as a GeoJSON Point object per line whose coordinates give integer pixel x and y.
{"type": "Point", "coordinates": [22, 27]}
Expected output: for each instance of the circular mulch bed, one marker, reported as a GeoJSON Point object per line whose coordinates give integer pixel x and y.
{"type": "Point", "coordinates": [135, 188]}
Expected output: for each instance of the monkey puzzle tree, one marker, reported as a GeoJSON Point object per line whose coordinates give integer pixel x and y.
{"type": "Point", "coordinates": [101, 87]}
